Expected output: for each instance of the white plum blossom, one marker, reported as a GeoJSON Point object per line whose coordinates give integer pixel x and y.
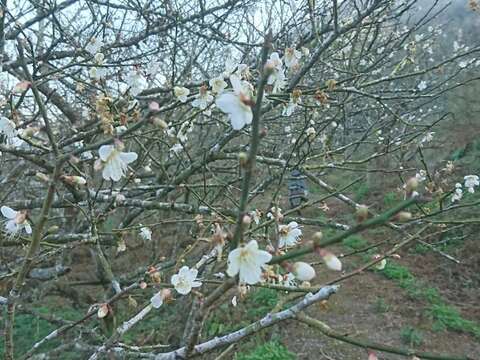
{"type": "Point", "coordinates": [218, 84]}
{"type": "Point", "coordinates": [181, 93]}
{"type": "Point", "coordinates": [277, 78]}
{"type": "Point", "coordinates": [7, 128]}
{"type": "Point", "coordinates": [289, 234]}
{"type": "Point", "coordinates": [203, 99]}
{"type": "Point", "coordinates": [421, 175]}
{"type": "Point", "coordinates": [236, 104]}
{"type": "Point", "coordinates": [311, 132]}
{"type": "Point", "coordinates": [230, 66]}
{"type": "Point", "coordinates": [381, 264]}
{"type": "Point", "coordinates": [422, 85]}
{"type": "Point", "coordinates": [115, 162]}
{"type": "Point", "coordinates": [292, 57]}
{"type": "Point", "coordinates": [292, 104]}
{"type": "Point", "coordinates": [146, 233]}
{"type": "Point", "coordinates": [470, 182]}
{"type": "Point", "coordinates": [94, 46]}
{"type": "Point", "coordinates": [185, 280]}
{"type": "Point", "coordinates": [427, 138]}
{"type": "Point", "coordinates": [458, 192]}
{"type": "Point", "coordinates": [303, 271]}
{"type": "Point", "coordinates": [136, 82]}
{"type": "Point", "coordinates": [98, 73]}
{"type": "Point", "coordinates": [153, 71]}
{"type": "Point", "coordinates": [177, 148]}
{"type": "Point", "coordinates": [16, 220]}
{"type": "Point", "coordinates": [248, 261]}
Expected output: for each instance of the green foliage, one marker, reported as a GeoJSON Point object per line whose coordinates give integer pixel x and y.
{"type": "Point", "coordinates": [447, 317]}
{"type": "Point", "coordinates": [28, 329]}
{"type": "Point", "coordinates": [411, 336]}
{"type": "Point", "coordinates": [396, 272]}
{"type": "Point", "coordinates": [272, 350]}
{"type": "Point", "coordinates": [261, 302]}
{"type": "Point", "coordinates": [420, 249]}
{"type": "Point", "coordinates": [361, 191]}
{"type": "Point", "coordinates": [444, 316]}
{"type": "Point", "coordinates": [355, 242]}
{"type": "Point", "coordinates": [381, 306]}
{"type": "Point", "coordinates": [391, 199]}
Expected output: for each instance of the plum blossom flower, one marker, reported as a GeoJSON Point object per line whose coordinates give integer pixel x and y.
{"type": "Point", "coordinates": [422, 85]}
{"type": "Point", "coordinates": [427, 138]}
{"type": "Point", "coordinates": [17, 220]}
{"type": "Point", "coordinates": [381, 264]}
{"type": "Point", "coordinates": [7, 127]}
{"type": "Point", "coordinates": [153, 71]}
{"type": "Point", "coordinates": [248, 261]}
{"type": "Point", "coordinates": [236, 104]}
{"type": "Point", "coordinates": [181, 93]}
{"type": "Point", "coordinates": [137, 82]}
{"type": "Point", "coordinates": [277, 78]}
{"type": "Point", "coordinates": [470, 182]}
{"type": "Point", "coordinates": [421, 175]}
{"type": "Point", "coordinates": [292, 57]}
{"type": "Point", "coordinates": [94, 46]}
{"type": "Point", "coordinates": [218, 84]}
{"type": "Point", "coordinates": [115, 162]}
{"type": "Point", "coordinates": [145, 233]}
{"type": "Point", "coordinates": [203, 99]}
{"type": "Point", "coordinates": [293, 103]}
{"type": "Point", "coordinates": [185, 280]}
{"type": "Point", "coordinates": [303, 271]}
{"type": "Point", "coordinates": [311, 133]}
{"type": "Point", "coordinates": [289, 234]}
{"type": "Point", "coordinates": [458, 192]}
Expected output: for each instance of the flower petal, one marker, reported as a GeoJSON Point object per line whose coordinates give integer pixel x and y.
{"type": "Point", "coordinates": [8, 212]}
{"type": "Point", "coordinates": [128, 157]}
{"type": "Point", "coordinates": [105, 151]}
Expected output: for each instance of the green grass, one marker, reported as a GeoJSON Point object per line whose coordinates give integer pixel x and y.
{"type": "Point", "coordinates": [381, 306]}
{"type": "Point", "coordinates": [261, 302]}
{"type": "Point", "coordinates": [271, 350]}
{"type": "Point", "coordinates": [411, 336]}
{"type": "Point", "coordinates": [28, 329]}
{"type": "Point", "coordinates": [448, 317]}
{"type": "Point", "coordinates": [355, 242]}
{"type": "Point", "coordinates": [361, 191]}
{"type": "Point", "coordinates": [391, 199]}
{"type": "Point", "coordinates": [444, 316]}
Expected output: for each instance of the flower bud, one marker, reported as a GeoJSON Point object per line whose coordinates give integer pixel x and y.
{"type": "Point", "coordinates": [263, 132]}
{"type": "Point", "coordinates": [246, 221]}
{"type": "Point", "coordinates": [160, 123]}
{"type": "Point", "coordinates": [331, 261]}
{"type": "Point", "coordinates": [242, 158]}
{"type": "Point", "coordinates": [53, 229]}
{"type": "Point", "coordinates": [412, 185]}
{"type": "Point", "coordinates": [42, 177]}
{"type": "Point", "coordinates": [362, 213]}
{"type": "Point", "coordinates": [74, 180]}
{"type": "Point", "coordinates": [317, 237]}
{"type": "Point", "coordinates": [404, 216]}
{"type": "Point", "coordinates": [303, 271]}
